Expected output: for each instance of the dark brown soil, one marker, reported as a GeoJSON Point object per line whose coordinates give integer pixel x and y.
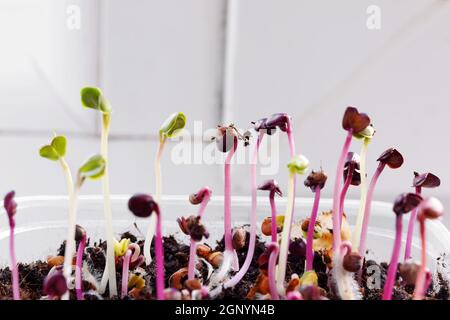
{"type": "Point", "coordinates": [177, 256]}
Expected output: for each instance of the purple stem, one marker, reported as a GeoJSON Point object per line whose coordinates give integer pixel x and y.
{"type": "Point", "coordinates": [421, 276]}
{"type": "Point", "coordinates": [392, 271]}
{"type": "Point", "coordinates": [193, 248]}
{"type": "Point", "coordinates": [159, 253]}
{"type": "Point", "coordinates": [344, 194]}
{"type": "Point", "coordinates": [310, 235]}
{"type": "Point", "coordinates": [337, 186]}
{"type": "Point", "coordinates": [14, 270]}
{"type": "Point", "coordinates": [273, 249]}
{"type": "Point", "coordinates": [367, 209]}
{"type": "Point", "coordinates": [125, 270]}
{"type": "Point", "coordinates": [79, 269]}
{"type": "Point", "coordinates": [409, 236]}
{"type": "Point", "coordinates": [227, 201]}
{"type": "Point", "coordinates": [251, 247]}
{"type": "Point", "coordinates": [273, 224]}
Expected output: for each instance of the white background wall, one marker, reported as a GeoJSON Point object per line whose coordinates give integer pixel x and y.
{"type": "Point", "coordinates": [152, 57]}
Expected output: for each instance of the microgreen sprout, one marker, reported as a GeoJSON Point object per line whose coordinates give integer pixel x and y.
{"type": "Point", "coordinates": [297, 165]}
{"type": "Point", "coordinates": [131, 255]}
{"type": "Point", "coordinates": [171, 128]}
{"type": "Point", "coordinates": [353, 122]}
{"type": "Point", "coordinates": [93, 169]}
{"type": "Point", "coordinates": [273, 188]}
{"type": "Point", "coordinates": [202, 197]}
{"type": "Point", "coordinates": [143, 206]}
{"type": "Point", "coordinates": [352, 176]}
{"type": "Point", "coordinates": [394, 160]}
{"type": "Point", "coordinates": [430, 208]}
{"type": "Point", "coordinates": [261, 128]}
{"type": "Point", "coordinates": [227, 142]}
{"type": "Point", "coordinates": [80, 237]}
{"type": "Point", "coordinates": [55, 285]}
{"type": "Point", "coordinates": [424, 180]}
{"type": "Point", "coordinates": [316, 181]}
{"type": "Point", "coordinates": [93, 98]}
{"type": "Point", "coordinates": [403, 204]}
{"type": "Point", "coordinates": [10, 206]}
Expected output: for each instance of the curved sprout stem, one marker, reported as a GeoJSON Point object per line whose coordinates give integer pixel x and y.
{"type": "Point", "coordinates": [409, 236]}
{"type": "Point", "coordinates": [363, 193]}
{"type": "Point", "coordinates": [251, 247]}
{"type": "Point", "coordinates": [125, 271]}
{"type": "Point", "coordinates": [79, 269]}
{"type": "Point", "coordinates": [392, 271]}
{"type": "Point", "coordinates": [158, 187]}
{"type": "Point", "coordinates": [110, 259]}
{"type": "Point", "coordinates": [420, 287]}
{"type": "Point", "coordinates": [274, 249]}
{"type": "Point", "coordinates": [367, 209]}
{"type": "Point", "coordinates": [310, 235]}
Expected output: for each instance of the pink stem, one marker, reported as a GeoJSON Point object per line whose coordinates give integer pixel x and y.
{"type": "Point", "coordinates": [337, 186]}
{"type": "Point", "coordinates": [412, 221]}
{"type": "Point", "coordinates": [344, 194]}
{"type": "Point", "coordinates": [227, 200]}
{"type": "Point", "coordinates": [79, 269]}
{"type": "Point", "coordinates": [273, 249]}
{"type": "Point", "coordinates": [159, 252]}
{"type": "Point", "coordinates": [125, 270]}
{"type": "Point", "coordinates": [273, 224]}
{"type": "Point", "coordinates": [421, 276]}
{"type": "Point", "coordinates": [367, 209]}
{"type": "Point", "coordinates": [310, 235]}
{"type": "Point", "coordinates": [251, 247]}
{"type": "Point", "coordinates": [192, 256]}
{"type": "Point", "coordinates": [14, 270]}
{"type": "Point", "coordinates": [292, 151]}
{"type": "Point", "coordinates": [392, 271]}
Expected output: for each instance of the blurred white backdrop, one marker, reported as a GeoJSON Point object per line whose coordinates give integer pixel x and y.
{"type": "Point", "coordinates": [221, 60]}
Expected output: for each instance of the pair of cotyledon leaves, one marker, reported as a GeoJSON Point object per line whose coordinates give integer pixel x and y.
{"type": "Point", "coordinates": [93, 168]}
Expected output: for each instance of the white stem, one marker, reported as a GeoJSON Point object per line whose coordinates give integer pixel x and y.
{"type": "Point", "coordinates": [284, 247]}
{"type": "Point", "coordinates": [362, 202]}
{"type": "Point", "coordinates": [158, 186]}
{"type": "Point", "coordinates": [110, 259]}
{"type": "Point", "coordinates": [70, 240]}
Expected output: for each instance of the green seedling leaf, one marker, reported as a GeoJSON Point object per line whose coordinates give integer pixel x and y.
{"type": "Point", "coordinates": [55, 150]}
{"type": "Point", "coordinates": [59, 143]}
{"type": "Point", "coordinates": [93, 168]}
{"type": "Point", "coordinates": [173, 125]}
{"type": "Point", "coordinates": [299, 164]}
{"type": "Point", "coordinates": [93, 98]}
